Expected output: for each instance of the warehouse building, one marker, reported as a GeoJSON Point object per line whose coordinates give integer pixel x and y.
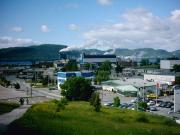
{"type": "Point", "coordinates": [168, 78]}
{"type": "Point", "coordinates": [63, 76]}
{"type": "Point", "coordinates": [96, 59]}
{"type": "Point", "coordinates": [131, 87]}
{"type": "Point", "coordinates": [176, 98]}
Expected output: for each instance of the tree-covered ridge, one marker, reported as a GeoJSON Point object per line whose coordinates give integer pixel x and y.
{"type": "Point", "coordinates": [41, 52]}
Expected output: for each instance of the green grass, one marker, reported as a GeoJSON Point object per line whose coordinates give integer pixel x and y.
{"type": "Point", "coordinates": [7, 107]}
{"type": "Point", "coordinates": [78, 118]}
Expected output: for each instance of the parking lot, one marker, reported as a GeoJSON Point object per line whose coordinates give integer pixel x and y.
{"type": "Point", "coordinates": [107, 97]}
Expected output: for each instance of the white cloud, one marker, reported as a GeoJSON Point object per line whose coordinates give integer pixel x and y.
{"type": "Point", "coordinates": [175, 16]}
{"type": "Point", "coordinates": [44, 28]}
{"type": "Point", "coordinates": [73, 27]}
{"type": "Point", "coordinates": [104, 2]}
{"type": "Point", "coordinates": [139, 29]}
{"type": "Point", "coordinates": [6, 42]}
{"type": "Point", "coordinates": [17, 29]}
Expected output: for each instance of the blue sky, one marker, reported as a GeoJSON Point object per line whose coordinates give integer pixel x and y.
{"type": "Point", "coordinates": [99, 24]}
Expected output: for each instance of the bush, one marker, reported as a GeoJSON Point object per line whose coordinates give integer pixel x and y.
{"type": "Point", "coordinates": [142, 118]}
{"type": "Point", "coordinates": [4, 82]}
{"type": "Point", "coordinates": [169, 122]}
{"type": "Point", "coordinates": [95, 101]}
{"type": "Point", "coordinates": [116, 102]}
{"type": "Point", "coordinates": [17, 86]}
{"type": "Point", "coordinates": [142, 105]}
{"type": "Point", "coordinates": [60, 104]}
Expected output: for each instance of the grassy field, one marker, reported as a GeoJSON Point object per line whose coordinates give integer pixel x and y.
{"type": "Point", "coordinates": [7, 107]}
{"type": "Point", "coordinates": [78, 118]}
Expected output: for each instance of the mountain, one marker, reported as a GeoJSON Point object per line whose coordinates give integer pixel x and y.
{"type": "Point", "coordinates": [176, 53]}
{"type": "Point", "coordinates": [144, 52]}
{"type": "Point", "coordinates": [41, 52]}
{"type": "Point", "coordinates": [50, 52]}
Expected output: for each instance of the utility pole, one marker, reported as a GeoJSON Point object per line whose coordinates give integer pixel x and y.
{"type": "Point", "coordinates": [157, 85]}
{"type": "Point", "coordinates": [144, 92]}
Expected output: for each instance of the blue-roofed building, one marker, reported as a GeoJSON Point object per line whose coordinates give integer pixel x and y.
{"type": "Point", "coordinates": [63, 76]}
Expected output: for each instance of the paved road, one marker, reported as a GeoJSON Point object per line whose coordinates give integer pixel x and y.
{"type": "Point", "coordinates": [7, 118]}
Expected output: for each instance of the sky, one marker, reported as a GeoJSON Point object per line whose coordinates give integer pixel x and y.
{"type": "Point", "coordinates": [100, 24]}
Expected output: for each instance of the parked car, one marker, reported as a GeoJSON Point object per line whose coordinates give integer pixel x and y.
{"type": "Point", "coordinates": [162, 104]}
{"type": "Point", "coordinates": [134, 100]}
{"type": "Point", "coordinates": [108, 104]}
{"type": "Point", "coordinates": [153, 108]}
{"type": "Point", "coordinates": [170, 112]}
{"type": "Point", "coordinates": [151, 103]}
{"type": "Point", "coordinates": [151, 95]}
{"type": "Point", "coordinates": [124, 105]}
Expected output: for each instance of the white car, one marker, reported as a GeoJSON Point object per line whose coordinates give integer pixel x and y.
{"type": "Point", "coordinates": [150, 103]}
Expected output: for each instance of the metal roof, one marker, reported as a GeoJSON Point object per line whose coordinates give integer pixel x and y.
{"type": "Point", "coordinates": [99, 56]}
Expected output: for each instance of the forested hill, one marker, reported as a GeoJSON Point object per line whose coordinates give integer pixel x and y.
{"type": "Point", "coordinates": [41, 52]}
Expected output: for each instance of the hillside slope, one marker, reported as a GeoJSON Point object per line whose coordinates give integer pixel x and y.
{"type": "Point", "coordinates": [78, 118]}
{"type": "Point", "coordinates": [41, 52]}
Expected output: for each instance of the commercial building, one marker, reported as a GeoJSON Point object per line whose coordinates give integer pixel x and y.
{"type": "Point", "coordinates": [63, 76]}
{"type": "Point", "coordinates": [131, 86]}
{"type": "Point", "coordinates": [176, 98]}
{"type": "Point", "coordinates": [168, 78]}
{"type": "Point", "coordinates": [95, 59]}
{"type": "Point", "coordinates": [168, 64]}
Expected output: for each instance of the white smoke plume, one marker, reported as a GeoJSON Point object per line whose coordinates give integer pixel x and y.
{"type": "Point", "coordinates": [87, 44]}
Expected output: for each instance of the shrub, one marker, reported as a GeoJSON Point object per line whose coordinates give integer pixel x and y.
{"type": "Point", "coordinates": [95, 101]}
{"type": "Point", "coordinates": [142, 105]}
{"type": "Point", "coordinates": [142, 118]}
{"type": "Point", "coordinates": [17, 86]}
{"type": "Point", "coordinates": [169, 122]}
{"type": "Point", "coordinates": [116, 102]}
{"type": "Point", "coordinates": [60, 104]}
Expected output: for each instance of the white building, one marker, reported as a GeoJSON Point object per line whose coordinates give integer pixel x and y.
{"type": "Point", "coordinates": [168, 64]}
{"type": "Point", "coordinates": [176, 98]}
{"type": "Point", "coordinates": [97, 58]}
{"type": "Point", "coordinates": [169, 79]}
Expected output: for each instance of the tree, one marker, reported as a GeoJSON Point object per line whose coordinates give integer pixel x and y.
{"type": "Point", "coordinates": [144, 62]}
{"type": "Point", "coordinates": [116, 102]}
{"type": "Point", "coordinates": [105, 66]}
{"type": "Point", "coordinates": [176, 68]}
{"type": "Point", "coordinates": [119, 68]}
{"type": "Point", "coordinates": [4, 82]}
{"type": "Point", "coordinates": [77, 88]}
{"type": "Point", "coordinates": [17, 86]}
{"type": "Point", "coordinates": [102, 76]}
{"type": "Point", "coordinates": [142, 105]}
{"type": "Point", "coordinates": [70, 66]}
{"type": "Point", "coordinates": [87, 66]}
{"type": "Point", "coordinates": [95, 101]}
{"type": "Point", "coordinates": [45, 81]}
{"type": "Point", "coordinates": [177, 80]}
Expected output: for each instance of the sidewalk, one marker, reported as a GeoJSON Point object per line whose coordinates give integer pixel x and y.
{"type": "Point", "coordinates": [7, 118]}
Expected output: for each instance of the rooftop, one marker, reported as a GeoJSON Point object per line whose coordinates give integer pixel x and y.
{"type": "Point", "coordinates": [99, 56]}
{"type": "Point", "coordinates": [136, 82]}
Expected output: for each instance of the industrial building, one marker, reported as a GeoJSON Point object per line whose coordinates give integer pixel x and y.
{"type": "Point", "coordinates": [63, 76]}
{"type": "Point", "coordinates": [168, 64]}
{"type": "Point", "coordinates": [168, 78]}
{"type": "Point", "coordinates": [176, 98]}
{"type": "Point", "coordinates": [131, 86]}
{"type": "Point", "coordinates": [96, 59]}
